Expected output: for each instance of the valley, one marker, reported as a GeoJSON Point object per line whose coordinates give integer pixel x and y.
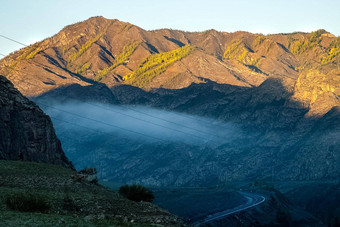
{"type": "Point", "coordinates": [222, 114]}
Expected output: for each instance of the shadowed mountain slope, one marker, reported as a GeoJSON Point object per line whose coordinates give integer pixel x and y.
{"type": "Point", "coordinates": [26, 132]}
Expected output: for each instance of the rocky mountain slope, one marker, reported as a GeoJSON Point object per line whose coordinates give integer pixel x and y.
{"type": "Point", "coordinates": [282, 90]}
{"type": "Point", "coordinates": [111, 51]}
{"type": "Point", "coordinates": [26, 132]}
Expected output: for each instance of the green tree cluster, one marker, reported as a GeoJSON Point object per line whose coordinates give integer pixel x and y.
{"type": "Point", "coordinates": [239, 52]}
{"type": "Point", "coordinates": [301, 46]}
{"type": "Point", "coordinates": [259, 40]}
{"type": "Point", "coordinates": [83, 68]}
{"type": "Point", "coordinates": [119, 60]}
{"type": "Point", "coordinates": [25, 54]}
{"type": "Point", "coordinates": [155, 65]}
{"type": "Point", "coordinates": [32, 51]}
{"type": "Point", "coordinates": [333, 52]}
{"type": "Point", "coordinates": [234, 50]}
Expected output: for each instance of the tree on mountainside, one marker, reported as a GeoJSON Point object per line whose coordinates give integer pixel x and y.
{"type": "Point", "coordinates": [136, 193]}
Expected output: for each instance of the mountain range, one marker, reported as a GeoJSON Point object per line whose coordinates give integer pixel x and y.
{"type": "Point", "coordinates": [280, 90]}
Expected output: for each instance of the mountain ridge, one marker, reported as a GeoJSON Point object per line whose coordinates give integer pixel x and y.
{"type": "Point", "coordinates": [281, 87]}
{"type": "Point", "coordinates": [236, 55]}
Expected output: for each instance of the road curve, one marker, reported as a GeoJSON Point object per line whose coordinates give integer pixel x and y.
{"type": "Point", "coordinates": [252, 200]}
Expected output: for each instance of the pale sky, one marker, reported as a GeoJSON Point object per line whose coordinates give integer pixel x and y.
{"type": "Point", "coordinates": [33, 20]}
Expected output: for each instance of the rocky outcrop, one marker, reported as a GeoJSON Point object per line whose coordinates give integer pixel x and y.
{"type": "Point", "coordinates": [26, 133]}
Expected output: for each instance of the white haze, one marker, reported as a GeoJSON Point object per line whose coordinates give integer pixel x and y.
{"type": "Point", "coordinates": [150, 124]}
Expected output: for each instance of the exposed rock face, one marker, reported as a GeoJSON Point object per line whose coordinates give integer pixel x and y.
{"type": "Point", "coordinates": [26, 132]}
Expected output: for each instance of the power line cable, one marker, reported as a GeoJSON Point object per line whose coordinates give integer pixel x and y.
{"type": "Point", "coordinates": [72, 123]}
{"type": "Point", "coordinates": [150, 122]}
{"type": "Point", "coordinates": [184, 126]}
{"type": "Point", "coordinates": [13, 40]}
{"type": "Point", "coordinates": [142, 112]}
{"type": "Point", "coordinates": [190, 134]}
{"type": "Point", "coordinates": [101, 122]}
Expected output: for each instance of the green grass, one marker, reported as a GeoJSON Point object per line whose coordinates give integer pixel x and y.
{"type": "Point", "coordinates": [10, 218]}
{"type": "Point", "coordinates": [27, 202]}
{"type": "Point", "coordinates": [20, 169]}
{"type": "Point", "coordinates": [70, 202]}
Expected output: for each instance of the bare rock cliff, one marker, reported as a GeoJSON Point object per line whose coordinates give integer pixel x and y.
{"type": "Point", "coordinates": [25, 131]}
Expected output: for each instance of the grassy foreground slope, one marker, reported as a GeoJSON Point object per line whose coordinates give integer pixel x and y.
{"type": "Point", "coordinates": [70, 200]}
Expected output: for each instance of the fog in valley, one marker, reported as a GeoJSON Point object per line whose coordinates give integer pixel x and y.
{"type": "Point", "coordinates": [144, 124]}
{"type": "Point", "coordinates": [135, 144]}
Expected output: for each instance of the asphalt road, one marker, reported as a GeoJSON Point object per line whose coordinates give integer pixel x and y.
{"type": "Point", "coordinates": [252, 200]}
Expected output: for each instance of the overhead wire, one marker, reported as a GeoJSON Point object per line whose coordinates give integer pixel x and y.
{"type": "Point", "coordinates": [146, 114]}
{"type": "Point", "coordinates": [150, 122]}
{"type": "Point", "coordinates": [100, 122]}
{"type": "Point", "coordinates": [114, 111]}
{"type": "Point", "coordinates": [13, 40]}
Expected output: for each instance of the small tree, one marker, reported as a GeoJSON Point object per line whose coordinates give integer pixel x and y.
{"type": "Point", "coordinates": [136, 193]}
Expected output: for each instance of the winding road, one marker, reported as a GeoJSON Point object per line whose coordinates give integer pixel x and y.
{"type": "Point", "coordinates": [252, 200]}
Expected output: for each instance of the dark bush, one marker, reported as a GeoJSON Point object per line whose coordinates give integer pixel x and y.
{"type": "Point", "coordinates": [136, 193]}
{"type": "Point", "coordinates": [27, 202]}
{"type": "Point", "coordinates": [88, 171]}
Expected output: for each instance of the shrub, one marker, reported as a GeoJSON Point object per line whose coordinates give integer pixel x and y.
{"type": "Point", "coordinates": [27, 202]}
{"type": "Point", "coordinates": [136, 193]}
{"type": "Point", "coordinates": [88, 171]}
